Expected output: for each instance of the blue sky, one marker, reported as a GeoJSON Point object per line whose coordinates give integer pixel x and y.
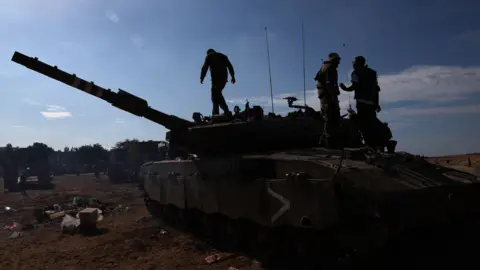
{"type": "Point", "coordinates": [426, 53]}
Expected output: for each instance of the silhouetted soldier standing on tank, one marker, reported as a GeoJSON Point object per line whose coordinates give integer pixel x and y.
{"type": "Point", "coordinates": [327, 87]}
{"type": "Point", "coordinates": [218, 64]}
{"type": "Point", "coordinates": [366, 88]}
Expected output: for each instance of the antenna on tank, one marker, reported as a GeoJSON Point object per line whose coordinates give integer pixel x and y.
{"type": "Point", "coordinates": [304, 83]}
{"type": "Point", "coordinates": [269, 68]}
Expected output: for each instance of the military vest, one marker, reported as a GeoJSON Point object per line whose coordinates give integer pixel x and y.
{"type": "Point", "coordinates": [327, 75]}
{"type": "Point", "coordinates": [366, 85]}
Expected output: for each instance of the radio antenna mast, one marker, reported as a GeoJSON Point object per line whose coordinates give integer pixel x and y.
{"type": "Point", "coordinates": [304, 83]}
{"type": "Point", "coordinates": [269, 68]}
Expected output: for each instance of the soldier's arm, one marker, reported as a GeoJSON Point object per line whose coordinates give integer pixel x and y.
{"type": "Point", "coordinates": [353, 86]}
{"type": "Point", "coordinates": [204, 68]}
{"type": "Point", "coordinates": [230, 67]}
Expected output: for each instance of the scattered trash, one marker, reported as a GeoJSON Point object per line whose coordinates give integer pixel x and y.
{"type": "Point", "coordinates": [232, 268]}
{"type": "Point", "coordinates": [162, 231]}
{"type": "Point", "coordinates": [14, 226]}
{"type": "Point", "coordinates": [57, 207]}
{"type": "Point", "coordinates": [56, 215]}
{"type": "Point", "coordinates": [212, 258]}
{"type": "Point", "coordinates": [121, 208]}
{"type": "Point", "coordinates": [7, 210]}
{"type": "Point", "coordinates": [15, 235]}
{"type": "Point", "coordinates": [89, 217]}
{"type": "Point", "coordinates": [84, 201]}
{"type": "Point", "coordinates": [256, 262]}
{"type": "Point", "coordinates": [69, 224]}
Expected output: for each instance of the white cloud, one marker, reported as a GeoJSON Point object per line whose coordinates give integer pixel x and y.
{"type": "Point", "coordinates": [55, 112]}
{"type": "Point", "coordinates": [50, 111]}
{"type": "Point", "coordinates": [119, 121]}
{"type": "Point", "coordinates": [54, 108]}
{"type": "Point", "coordinates": [137, 41]}
{"type": "Point", "coordinates": [112, 16]}
{"type": "Point", "coordinates": [432, 85]}
{"type": "Point", "coordinates": [464, 109]}
{"type": "Point", "coordinates": [56, 115]}
{"type": "Point", "coordinates": [18, 126]}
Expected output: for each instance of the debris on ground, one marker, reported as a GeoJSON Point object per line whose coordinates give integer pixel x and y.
{"type": "Point", "coordinates": [37, 231]}
{"type": "Point", "coordinates": [212, 258]}
{"type": "Point", "coordinates": [69, 224]}
{"type": "Point", "coordinates": [13, 226]}
{"type": "Point", "coordinates": [85, 201]}
{"type": "Point", "coordinates": [15, 235]}
{"type": "Point", "coordinates": [89, 217]}
{"type": "Point", "coordinates": [121, 208]}
{"type": "Point", "coordinates": [8, 209]}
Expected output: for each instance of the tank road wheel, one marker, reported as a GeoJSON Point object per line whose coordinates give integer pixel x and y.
{"type": "Point", "coordinates": [176, 216]}
{"type": "Point", "coordinates": [234, 232]}
{"type": "Point", "coordinates": [216, 227]}
{"type": "Point", "coordinates": [195, 221]}
{"type": "Point", "coordinates": [206, 225]}
{"type": "Point", "coordinates": [154, 208]}
{"type": "Point", "coordinates": [170, 214]}
{"type": "Point", "coordinates": [183, 218]}
{"type": "Point", "coordinates": [258, 237]}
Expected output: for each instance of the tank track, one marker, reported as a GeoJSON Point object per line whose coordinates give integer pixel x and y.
{"type": "Point", "coordinates": [364, 244]}
{"type": "Point", "coordinates": [278, 247]}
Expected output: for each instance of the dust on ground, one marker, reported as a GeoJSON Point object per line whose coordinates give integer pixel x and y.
{"type": "Point", "coordinates": [459, 162]}
{"type": "Point", "coordinates": [129, 238]}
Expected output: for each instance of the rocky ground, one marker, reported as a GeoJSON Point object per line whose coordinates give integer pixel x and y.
{"type": "Point", "coordinates": [127, 237]}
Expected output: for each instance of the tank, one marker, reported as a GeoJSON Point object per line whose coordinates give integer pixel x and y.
{"type": "Point", "coordinates": [264, 183]}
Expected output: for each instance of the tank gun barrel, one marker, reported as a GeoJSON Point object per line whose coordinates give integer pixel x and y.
{"type": "Point", "coordinates": [121, 99]}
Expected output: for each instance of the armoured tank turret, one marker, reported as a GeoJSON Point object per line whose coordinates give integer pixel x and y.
{"type": "Point", "coordinates": [263, 182]}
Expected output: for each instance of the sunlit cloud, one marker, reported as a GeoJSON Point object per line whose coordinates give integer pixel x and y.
{"type": "Point", "coordinates": [56, 115]}
{"type": "Point", "coordinates": [55, 112]}
{"type": "Point", "coordinates": [434, 87]}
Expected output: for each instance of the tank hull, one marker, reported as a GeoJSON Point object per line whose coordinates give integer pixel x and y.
{"type": "Point", "coordinates": [299, 201]}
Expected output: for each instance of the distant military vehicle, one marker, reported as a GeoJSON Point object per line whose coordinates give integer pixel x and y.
{"type": "Point", "coordinates": [38, 176]}
{"type": "Point", "coordinates": [263, 181]}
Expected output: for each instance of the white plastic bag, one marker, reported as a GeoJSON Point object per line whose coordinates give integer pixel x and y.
{"type": "Point", "coordinates": [69, 224]}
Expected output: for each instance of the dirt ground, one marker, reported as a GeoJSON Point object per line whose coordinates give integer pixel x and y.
{"type": "Point", "coordinates": [459, 162]}
{"type": "Point", "coordinates": [130, 238]}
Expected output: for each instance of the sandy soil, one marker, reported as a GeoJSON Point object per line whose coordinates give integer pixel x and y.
{"type": "Point", "coordinates": [459, 162]}
{"type": "Point", "coordinates": [130, 239]}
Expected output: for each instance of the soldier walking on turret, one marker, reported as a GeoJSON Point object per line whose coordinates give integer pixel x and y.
{"type": "Point", "coordinates": [327, 86]}
{"type": "Point", "coordinates": [366, 88]}
{"type": "Point", "coordinates": [218, 64]}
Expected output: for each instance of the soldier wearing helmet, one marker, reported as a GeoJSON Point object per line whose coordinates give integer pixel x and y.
{"type": "Point", "coordinates": [366, 88]}
{"type": "Point", "coordinates": [327, 87]}
{"type": "Point", "coordinates": [218, 63]}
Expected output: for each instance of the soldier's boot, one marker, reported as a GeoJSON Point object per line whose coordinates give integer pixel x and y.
{"type": "Point", "coordinates": [391, 145]}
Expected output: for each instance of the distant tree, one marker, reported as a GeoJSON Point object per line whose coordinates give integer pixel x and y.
{"type": "Point", "coordinates": [91, 154]}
